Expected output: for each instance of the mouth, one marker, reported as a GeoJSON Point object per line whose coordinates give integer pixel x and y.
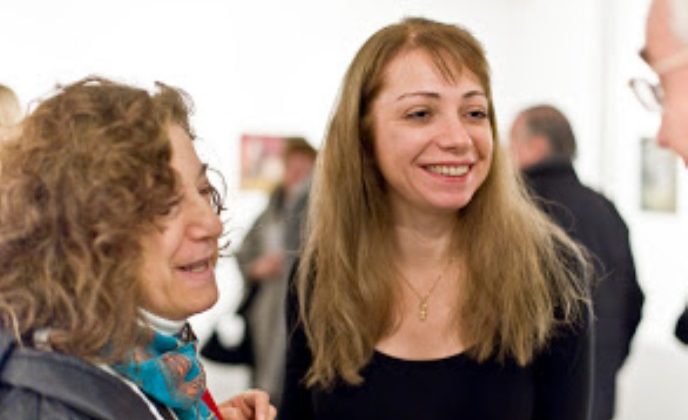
{"type": "Point", "coordinates": [449, 170]}
{"type": "Point", "coordinates": [197, 267]}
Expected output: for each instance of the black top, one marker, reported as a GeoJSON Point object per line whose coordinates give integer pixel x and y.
{"type": "Point", "coordinates": [555, 386]}
{"type": "Point", "coordinates": [592, 220]}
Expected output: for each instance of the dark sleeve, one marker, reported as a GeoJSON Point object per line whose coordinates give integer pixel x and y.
{"type": "Point", "coordinates": [629, 294]}
{"type": "Point", "coordinates": [296, 398]}
{"type": "Point", "coordinates": [682, 327]}
{"type": "Point", "coordinates": [19, 403]}
{"type": "Point", "coordinates": [563, 373]}
{"type": "Point", "coordinates": [634, 296]}
{"type": "Point", "coordinates": [294, 225]}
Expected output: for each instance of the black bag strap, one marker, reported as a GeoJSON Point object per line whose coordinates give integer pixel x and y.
{"type": "Point", "coordinates": [71, 381]}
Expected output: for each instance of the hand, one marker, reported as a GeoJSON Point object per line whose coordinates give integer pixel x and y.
{"type": "Point", "coordinates": [250, 405]}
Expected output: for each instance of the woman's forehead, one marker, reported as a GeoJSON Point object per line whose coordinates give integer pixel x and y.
{"type": "Point", "coordinates": [451, 67]}
{"type": "Point", "coordinates": [416, 71]}
{"type": "Point", "coordinates": [184, 157]}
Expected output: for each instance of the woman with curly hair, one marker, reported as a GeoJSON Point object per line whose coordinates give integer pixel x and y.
{"type": "Point", "coordinates": [109, 235]}
{"type": "Point", "coordinates": [430, 286]}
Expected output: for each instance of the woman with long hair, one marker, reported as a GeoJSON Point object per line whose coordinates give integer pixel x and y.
{"type": "Point", "coordinates": [430, 286]}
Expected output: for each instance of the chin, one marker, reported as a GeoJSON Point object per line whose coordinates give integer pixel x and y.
{"type": "Point", "coordinates": [454, 204]}
{"type": "Point", "coordinates": [203, 301]}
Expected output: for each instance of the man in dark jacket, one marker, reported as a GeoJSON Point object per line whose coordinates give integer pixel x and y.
{"type": "Point", "coordinates": [543, 147]}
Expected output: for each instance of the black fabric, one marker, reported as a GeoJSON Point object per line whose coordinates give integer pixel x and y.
{"type": "Point", "coordinates": [40, 385]}
{"type": "Point", "coordinates": [682, 327]}
{"type": "Point", "coordinates": [555, 386]}
{"type": "Point", "coordinates": [593, 221]}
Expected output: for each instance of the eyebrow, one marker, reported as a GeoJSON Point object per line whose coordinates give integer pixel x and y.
{"type": "Point", "coordinates": [435, 95]}
{"type": "Point", "coordinates": [473, 93]}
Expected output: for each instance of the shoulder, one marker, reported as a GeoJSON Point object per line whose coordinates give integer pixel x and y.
{"type": "Point", "coordinates": [46, 382]}
{"type": "Point", "coordinates": [20, 403]}
{"type": "Point", "coordinates": [681, 330]}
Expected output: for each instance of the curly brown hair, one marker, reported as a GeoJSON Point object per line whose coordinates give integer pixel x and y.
{"type": "Point", "coordinates": [88, 176]}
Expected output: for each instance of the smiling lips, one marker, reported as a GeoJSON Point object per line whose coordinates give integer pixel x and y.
{"type": "Point", "coordinates": [197, 267]}
{"type": "Point", "coordinates": [449, 170]}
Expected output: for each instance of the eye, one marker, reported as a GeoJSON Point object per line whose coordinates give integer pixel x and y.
{"type": "Point", "coordinates": [207, 190]}
{"type": "Point", "coordinates": [213, 197]}
{"type": "Point", "coordinates": [171, 207]}
{"type": "Point", "coordinates": [419, 114]}
{"type": "Point", "coordinates": [478, 114]}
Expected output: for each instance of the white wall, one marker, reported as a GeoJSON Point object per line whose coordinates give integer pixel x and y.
{"type": "Point", "coordinates": [274, 67]}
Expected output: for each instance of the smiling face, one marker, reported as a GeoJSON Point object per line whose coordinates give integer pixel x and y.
{"type": "Point", "coordinates": [432, 136]}
{"type": "Point", "coordinates": [178, 278]}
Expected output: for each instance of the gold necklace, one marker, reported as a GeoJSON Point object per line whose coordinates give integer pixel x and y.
{"type": "Point", "coordinates": [423, 300]}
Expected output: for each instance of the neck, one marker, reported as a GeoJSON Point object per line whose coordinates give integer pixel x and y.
{"type": "Point", "coordinates": [160, 324]}
{"type": "Point", "coordinates": [422, 239]}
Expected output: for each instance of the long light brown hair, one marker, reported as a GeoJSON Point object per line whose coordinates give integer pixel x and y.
{"type": "Point", "coordinates": [87, 177]}
{"type": "Point", "coordinates": [518, 282]}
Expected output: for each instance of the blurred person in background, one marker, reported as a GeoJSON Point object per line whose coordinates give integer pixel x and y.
{"type": "Point", "coordinates": [430, 286]}
{"type": "Point", "coordinates": [543, 146]}
{"type": "Point", "coordinates": [109, 234]}
{"type": "Point", "coordinates": [10, 112]}
{"type": "Point", "coordinates": [264, 259]}
{"type": "Point", "coordinates": [666, 52]}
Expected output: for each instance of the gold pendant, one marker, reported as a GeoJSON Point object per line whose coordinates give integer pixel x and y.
{"type": "Point", "coordinates": [423, 310]}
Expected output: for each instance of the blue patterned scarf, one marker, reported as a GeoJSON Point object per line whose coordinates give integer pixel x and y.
{"type": "Point", "coordinates": [168, 371]}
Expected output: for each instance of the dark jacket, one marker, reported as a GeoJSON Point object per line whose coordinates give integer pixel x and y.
{"type": "Point", "coordinates": [593, 221]}
{"type": "Point", "coordinates": [682, 327]}
{"type": "Point", "coordinates": [41, 385]}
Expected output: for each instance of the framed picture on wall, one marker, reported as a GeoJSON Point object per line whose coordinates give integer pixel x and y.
{"type": "Point", "coordinates": [261, 161]}
{"type": "Point", "coordinates": [658, 178]}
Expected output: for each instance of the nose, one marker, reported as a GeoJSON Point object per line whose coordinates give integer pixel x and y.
{"type": "Point", "coordinates": [454, 136]}
{"type": "Point", "coordinates": [204, 223]}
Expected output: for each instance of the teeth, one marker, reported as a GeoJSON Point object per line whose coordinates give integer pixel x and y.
{"type": "Point", "coordinates": [196, 267]}
{"type": "Point", "coordinates": [449, 170]}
